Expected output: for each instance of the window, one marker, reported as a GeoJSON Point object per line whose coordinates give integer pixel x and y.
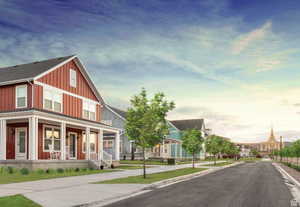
{"type": "Point", "coordinates": [89, 110]}
{"type": "Point", "coordinates": [93, 141]}
{"type": "Point", "coordinates": [73, 78]}
{"type": "Point", "coordinates": [51, 139]}
{"type": "Point", "coordinates": [21, 96]}
{"type": "Point", "coordinates": [52, 100]}
{"type": "Point", "coordinates": [108, 144]}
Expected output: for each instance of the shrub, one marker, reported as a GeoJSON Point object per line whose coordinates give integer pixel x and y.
{"type": "Point", "coordinates": [91, 169]}
{"type": "Point", "coordinates": [10, 170]}
{"type": "Point", "coordinates": [77, 169]}
{"type": "Point", "coordinates": [112, 166]}
{"type": "Point", "coordinates": [24, 171]}
{"type": "Point", "coordinates": [60, 170]}
{"type": "Point", "coordinates": [40, 171]}
{"type": "Point", "coordinates": [2, 170]}
{"type": "Point", "coordinates": [83, 169]}
{"type": "Point", "coordinates": [101, 167]}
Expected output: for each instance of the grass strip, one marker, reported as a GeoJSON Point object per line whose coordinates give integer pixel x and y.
{"type": "Point", "coordinates": [17, 200]}
{"type": "Point", "coordinates": [151, 178]}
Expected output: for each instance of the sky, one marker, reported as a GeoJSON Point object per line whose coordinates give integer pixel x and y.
{"type": "Point", "coordinates": [235, 63]}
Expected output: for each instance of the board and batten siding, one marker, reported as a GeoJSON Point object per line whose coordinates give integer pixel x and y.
{"type": "Point", "coordinates": [60, 78]}
{"type": "Point", "coordinates": [8, 97]}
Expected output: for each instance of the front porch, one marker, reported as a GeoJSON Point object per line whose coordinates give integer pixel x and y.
{"type": "Point", "coordinates": [58, 141]}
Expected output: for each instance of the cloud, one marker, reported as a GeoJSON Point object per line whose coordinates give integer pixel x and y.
{"type": "Point", "coordinates": [246, 40]}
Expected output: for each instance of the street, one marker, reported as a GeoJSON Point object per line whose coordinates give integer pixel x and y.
{"type": "Point", "coordinates": [247, 185]}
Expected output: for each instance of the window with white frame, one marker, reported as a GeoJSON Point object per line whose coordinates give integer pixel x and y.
{"type": "Point", "coordinates": [93, 141]}
{"type": "Point", "coordinates": [21, 96]}
{"type": "Point", "coordinates": [89, 110]}
{"type": "Point", "coordinates": [73, 78]}
{"type": "Point", "coordinates": [53, 100]}
{"type": "Point", "coordinates": [51, 139]}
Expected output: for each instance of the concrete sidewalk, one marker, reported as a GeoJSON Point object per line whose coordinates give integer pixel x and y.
{"type": "Point", "coordinates": [77, 190]}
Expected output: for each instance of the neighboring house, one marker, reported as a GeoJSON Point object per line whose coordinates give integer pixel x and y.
{"type": "Point", "coordinates": [116, 118]}
{"type": "Point", "coordinates": [172, 145]}
{"type": "Point", "coordinates": [50, 113]}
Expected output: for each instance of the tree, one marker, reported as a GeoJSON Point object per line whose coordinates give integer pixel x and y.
{"type": "Point", "coordinates": [145, 121]}
{"type": "Point", "coordinates": [296, 150]}
{"type": "Point", "coordinates": [229, 148]}
{"type": "Point", "coordinates": [192, 142]}
{"type": "Point", "coordinates": [213, 145]}
{"type": "Point", "coordinates": [254, 152]}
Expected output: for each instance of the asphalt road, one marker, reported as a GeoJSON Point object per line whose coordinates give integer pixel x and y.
{"type": "Point", "coordinates": [246, 185]}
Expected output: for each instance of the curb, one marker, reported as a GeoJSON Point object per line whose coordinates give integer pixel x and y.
{"type": "Point", "coordinates": [291, 178]}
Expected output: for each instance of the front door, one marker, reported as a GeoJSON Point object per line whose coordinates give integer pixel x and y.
{"type": "Point", "coordinates": [72, 145]}
{"type": "Point", "coordinates": [21, 143]}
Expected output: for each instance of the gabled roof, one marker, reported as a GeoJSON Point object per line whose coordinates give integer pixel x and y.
{"type": "Point", "coordinates": [26, 72]}
{"type": "Point", "coordinates": [118, 112]}
{"type": "Point", "coordinates": [33, 71]}
{"type": "Point", "coordinates": [188, 124]}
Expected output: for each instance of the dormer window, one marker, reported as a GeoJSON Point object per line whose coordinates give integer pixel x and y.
{"type": "Point", "coordinates": [73, 78]}
{"type": "Point", "coordinates": [21, 96]}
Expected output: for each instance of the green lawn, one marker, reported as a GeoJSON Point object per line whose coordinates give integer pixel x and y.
{"type": "Point", "coordinates": [219, 164]}
{"type": "Point", "coordinates": [140, 162]}
{"type": "Point", "coordinates": [17, 177]}
{"type": "Point", "coordinates": [17, 200]}
{"type": "Point", "coordinates": [151, 178]}
{"type": "Point", "coordinates": [130, 167]}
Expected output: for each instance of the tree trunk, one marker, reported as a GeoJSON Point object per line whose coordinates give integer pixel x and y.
{"type": "Point", "coordinates": [215, 161]}
{"type": "Point", "coordinates": [193, 160]}
{"type": "Point", "coordinates": [144, 164]}
{"type": "Point", "coordinates": [132, 151]}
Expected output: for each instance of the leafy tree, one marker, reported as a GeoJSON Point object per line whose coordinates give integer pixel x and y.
{"type": "Point", "coordinates": [254, 152]}
{"type": "Point", "coordinates": [214, 146]}
{"type": "Point", "coordinates": [229, 148]}
{"type": "Point", "coordinates": [296, 150]}
{"type": "Point", "coordinates": [146, 121]}
{"type": "Point", "coordinates": [192, 142]}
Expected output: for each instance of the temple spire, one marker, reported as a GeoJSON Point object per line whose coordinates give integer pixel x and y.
{"type": "Point", "coordinates": [272, 137]}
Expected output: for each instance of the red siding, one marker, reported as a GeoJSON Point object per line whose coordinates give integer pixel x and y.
{"type": "Point", "coordinates": [38, 96]}
{"type": "Point", "coordinates": [8, 97]}
{"type": "Point", "coordinates": [10, 139]}
{"type": "Point", "coordinates": [72, 106]}
{"type": "Point", "coordinates": [41, 154]}
{"type": "Point", "coordinates": [60, 78]}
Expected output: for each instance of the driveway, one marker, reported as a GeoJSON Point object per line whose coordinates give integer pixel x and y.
{"type": "Point", "coordinates": [247, 185]}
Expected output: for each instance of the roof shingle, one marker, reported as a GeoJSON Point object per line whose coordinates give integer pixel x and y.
{"type": "Point", "coordinates": [188, 124]}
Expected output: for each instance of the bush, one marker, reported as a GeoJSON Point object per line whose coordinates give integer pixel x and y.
{"type": "Point", "coordinates": [84, 169]}
{"type": "Point", "coordinates": [40, 171]}
{"type": "Point", "coordinates": [10, 170]}
{"type": "Point", "coordinates": [24, 171]}
{"type": "Point", "coordinates": [101, 167]}
{"type": "Point", "coordinates": [112, 166]}
{"type": "Point", "coordinates": [60, 170]}
{"type": "Point", "coordinates": [77, 169]}
{"type": "Point", "coordinates": [2, 170]}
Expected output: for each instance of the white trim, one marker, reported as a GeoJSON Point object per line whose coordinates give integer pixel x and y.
{"type": "Point", "coordinates": [16, 146]}
{"type": "Point", "coordinates": [76, 137]}
{"type": "Point", "coordinates": [53, 92]}
{"type": "Point", "coordinates": [33, 137]}
{"type": "Point", "coordinates": [52, 127]}
{"type": "Point", "coordinates": [3, 139]}
{"type": "Point", "coordinates": [49, 87]}
{"type": "Point", "coordinates": [115, 112]}
{"type": "Point", "coordinates": [54, 68]}
{"type": "Point", "coordinates": [26, 96]}
{"type": "Point", "coordinates": [72, 73]}
{"type": "Point", "coordinates": [172, 125]}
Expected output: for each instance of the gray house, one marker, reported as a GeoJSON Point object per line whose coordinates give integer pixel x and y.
{"type": "Point", "coordinates": [115, 117]}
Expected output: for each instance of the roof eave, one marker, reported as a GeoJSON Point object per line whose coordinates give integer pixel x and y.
{"type": "Point", "coordinates": [15, 81]}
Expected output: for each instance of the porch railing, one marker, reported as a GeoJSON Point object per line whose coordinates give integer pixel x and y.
{"type": "Point", "coordinates": [107, 158]}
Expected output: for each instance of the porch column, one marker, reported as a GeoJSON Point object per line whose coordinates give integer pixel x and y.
{"type": "Point", "coordinates": [3, 139]}
{"type": "Point", "coordinates": [100, 144]}
{"type": "Point", "coordinates": [33, 138]}
{"type": "Point", "coordinates": [117, 146]}
{"type": "Point", "coordinates": [87, 150]}
{"type": "Point", "coordinates": [63, 140]}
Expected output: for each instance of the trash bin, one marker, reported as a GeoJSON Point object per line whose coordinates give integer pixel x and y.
{"type": "Point", "coordinates": [171, 161]}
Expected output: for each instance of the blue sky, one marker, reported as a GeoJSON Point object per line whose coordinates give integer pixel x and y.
{"type": "Point", "coordinates": [234, 63]}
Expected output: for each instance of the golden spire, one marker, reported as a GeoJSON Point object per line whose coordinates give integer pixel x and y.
{"type": "Point", "coordinates": [272, 137]}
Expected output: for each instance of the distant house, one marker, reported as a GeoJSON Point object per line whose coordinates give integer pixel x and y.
{"type": "Point", "coordinates": [50, 114]}
{"type": "Point", "coordinates": [172, 145]}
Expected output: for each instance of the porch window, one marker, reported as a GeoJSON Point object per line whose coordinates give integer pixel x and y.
{"type": "Point", "coordinates": [89, 110]}
{"type": "Point", "coordinates": [21, 96]}
{"type": "Point", "coordinates": [53, 101]}
{"type": "Point", "coordinates": [52, 139]}
{"type": "Point", "coordinates": [93, 138]}
{"type": "Point", "coordinates": [108, 144]}
{"type": "Point", "coordinates": [93, 141]}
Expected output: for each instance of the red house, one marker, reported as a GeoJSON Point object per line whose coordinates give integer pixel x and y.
{"type": "Point", "coordinates": [50, 114]}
